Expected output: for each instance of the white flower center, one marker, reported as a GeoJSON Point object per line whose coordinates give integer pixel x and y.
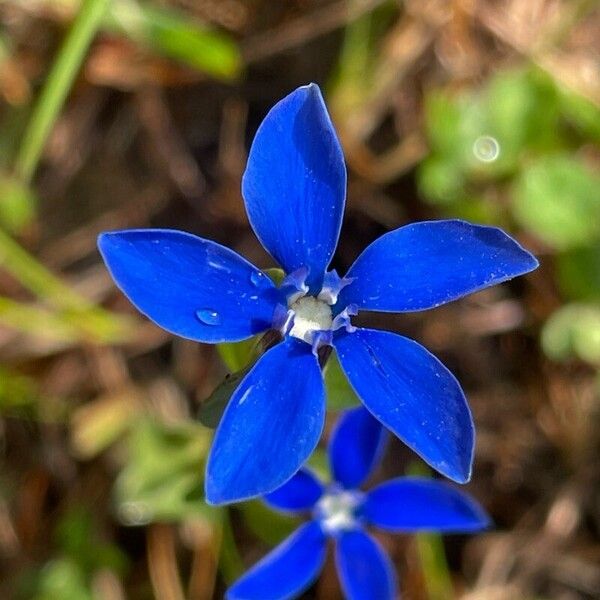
{"type": "Point", "coordinates": [336, 511]}
{"type": "Point", "coordinates": [310, 314]}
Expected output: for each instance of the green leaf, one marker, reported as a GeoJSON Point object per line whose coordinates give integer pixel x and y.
{"type": "Point", "coordinates": [573, 330]}
{"type": "Point", "coordinates": [583, 114]}
{"type": "Point", "coordinates": [557, 199]}
{"type": "Point", "coordinates": [213, 407]}
{"type": "Point", "coordinates": [177, 36]}
{"type": "Point", "coordinates": [340, 394]}
{"type": "Point", "coordinates": [440, 180]}
{"type": "Point", "coordinates": [76, 535]}
{"type": "Point", "coordinates": [578, 273]}
{"type": "Point", "coordinates": [319, 463]}
{"type": "Point", "coordinates": [16, 391]}
{"type": "Point", "coordinates": [237, 355]}
{"type": "Point", "coordinates": [269, 526]}
{"type": "Point", "coordinates": [276, 274]}
{"type": "Point", "coordinates": [62, 578]}
{"type": "Point", "coordinates": [163, 476]}
{"type": "Point", "coordinates": [523, 113]}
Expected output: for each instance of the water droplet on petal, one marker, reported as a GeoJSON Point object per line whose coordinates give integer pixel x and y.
{"type": "Point", "coordinates": [208, 316]}
{"type": "Point", "coordinates": [259, 279]}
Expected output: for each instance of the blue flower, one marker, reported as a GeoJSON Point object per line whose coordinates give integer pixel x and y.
{"type": "Point", "coordinates": [294, 190]}
{"type": "Point", "coordinates": [341, 512]}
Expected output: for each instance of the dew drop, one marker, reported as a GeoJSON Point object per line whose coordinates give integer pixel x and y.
{"type": "Point", "coordinates": [258, 279]}
{"type": "Point", "coordinates": [486, 148]}
{"type": "Point", "coordinates": [208, 316]}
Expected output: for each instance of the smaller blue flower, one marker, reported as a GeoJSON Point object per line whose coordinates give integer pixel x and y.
{"type": "Point", "coordinates": [341, 512]}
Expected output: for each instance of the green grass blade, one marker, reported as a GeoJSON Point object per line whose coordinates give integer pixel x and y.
{"type": "Point", "coordinates": [57, 86]}
{"type": "Point", "coordinates": [432, 555]}
{"type": "Point", "coordinates": [96, 323]}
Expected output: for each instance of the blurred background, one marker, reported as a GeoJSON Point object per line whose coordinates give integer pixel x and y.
{"type": "Point", "coordinates": [131, 113]}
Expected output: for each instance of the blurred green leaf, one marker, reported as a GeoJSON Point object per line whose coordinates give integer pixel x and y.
{"type": "Point", "coordinates": [177, 36]}
{"type": "Point", "coordinates": [318, 461]}
{"type": "Point", "coordinates": [231, 565]}
{"type": "Point", "coordinates": [237, 355]}
{"type": "Point", "coordinates": [213, 407]}
{"type": "Point", "coordinates": [340, 394]}
{"type": "Point", "coordinates": [276, 274]}
{"type": "Point", "coordinates": [16, 390]}
{"type": "Point", "coordinates": [523, 112]}
{"type": "Point", "coordinates": [573, 331]}
{"type": "Point", "coordinates": [163, 477]}
{"type": "Point", "coordinates": [557, 199]}
{"type": "Point", "coordinates": [266, 524]}
{"type": "Point", "coordinates": [578, 273]}
{"type": "Point", "coordinates": [440, 180]}
{"type": "Point", "coordinates": [481, 136]}
{"type": "Point", "coordinates": [76, 535]}
{"type": "Point", "coordinates": [62, 578]}
{"type": "Point", "coordinates": [583, 114]}
{"type": "Point", "coordinates": [17, 204]}
{"type": "Point", "coordinates": [98, 424]}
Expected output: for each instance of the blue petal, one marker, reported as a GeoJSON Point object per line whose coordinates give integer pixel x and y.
{"type": "Point", "coordinates": [295, 184]}
{"type": "Point", "coordinates": [270, 426]}
{"type": "Point", "coordinates": [287, 571]}
{"type": "Point", "coordinates": [413, 394]}
{"type": "Point", "coordinates": [189, 286]}
{"type": "Point", "coordinates": [364, 568]}
{"type": "Point", "coordinates": [411, 504]}
{"type": "Point", "coordinates": [299, 493]}
{"type": "Point", "coordinates": [423, 265]}
{"type": "Point", "coordinates": [356, 446]}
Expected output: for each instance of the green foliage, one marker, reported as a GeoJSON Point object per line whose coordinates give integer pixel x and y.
{"type": "Point", "coordinates": [557, 199]}
{"type": "Point", "coordinates": [60, 578]}
{"type": "Point", "coordinates": [574, 331]}
{"type": "Point", "coordinates": [58, 84]}
{"type": "Point", "coordinates": [238, 355]}
{"type": "Point", "coordinates": [267, 525]}
{"type": "Point", "coordinates": [319, 463]}
{"type": "Point", "coordinates": [163, 476]}
{"type": "Point", "coordinates": [17, 204]}
{"type": "Point", "coordinates": [578, 273]}
{"type": "Point", "coordinates": [73, 535]}
{"type": "Point", "coordinates": [538, 181]}
{"type": "Point", "coordinates": [431, 553]}
{"type": "Point", "coordinates": [340, 394]}
{"type": "Point", "coordinates": [214, 406]}
{"type": "Point", "coordinates": [175, 35]}
{"type": "Point", "coordinates": [80, 555]}
{"type": "Point", "coordinates": [16, 391]}
{"type": "Point", "coordinates": [481, 136]}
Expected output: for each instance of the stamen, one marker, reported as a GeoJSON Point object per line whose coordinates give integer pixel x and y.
{"type": "Point", "coordinates": [294, 285]}
{"type": "Point", "coordinates": [333, 284]}
{"type": "Point", "coordinates": [336, 510]}
{"type": "Point", "coordinates": [310, 315]}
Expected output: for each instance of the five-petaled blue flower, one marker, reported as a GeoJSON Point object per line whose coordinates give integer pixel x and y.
{"type": "Point", "coordinates": [294, 190]}
{"type": "Point", "coordinates": [341, 511]}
